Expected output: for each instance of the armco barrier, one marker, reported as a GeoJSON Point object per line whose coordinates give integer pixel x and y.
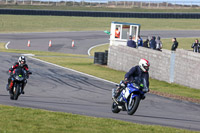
{"type": "Point", "coordinates": [100, 14]}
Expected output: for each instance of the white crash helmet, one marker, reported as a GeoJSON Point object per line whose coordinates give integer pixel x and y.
{"type": "Point", "coordinates": [22, 58]}
{"type": "Point", "coordinates": [144, 65]}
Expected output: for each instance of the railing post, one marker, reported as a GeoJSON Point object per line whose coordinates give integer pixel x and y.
{"type": "Point", "coordinates": [172, 64]}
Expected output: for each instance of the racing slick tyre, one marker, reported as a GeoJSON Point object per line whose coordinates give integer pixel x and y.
{"type": "Point", "coordinates": [133, 104]}
{"type": "Point", "coordinates": [16, 91]}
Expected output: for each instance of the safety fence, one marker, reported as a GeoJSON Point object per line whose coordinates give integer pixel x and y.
{"type": "Point", "coordinates": [109, 3]}
{"type": "Point", "coordinates": [100, 14]}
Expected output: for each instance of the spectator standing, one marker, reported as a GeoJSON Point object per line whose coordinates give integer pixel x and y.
{"type": "Point", "coordinates": [140, 41]}
{"type": "Point", "coordinates": [146, 43]}
{"type": "Point", "coordinates": [131, 43]}
{"type": "Point", "coordinates": [196, 46]}
{"type": "Point", "coordinates": [152, 42]}
{"type": "Point", "coordinates": [158, 44]}
{"type": "Point", "coordinates": [175, 44]}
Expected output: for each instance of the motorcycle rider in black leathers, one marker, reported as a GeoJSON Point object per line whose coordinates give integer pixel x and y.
{"type": "Point", "coordinates": [21, 63]}
{"type": "Point", "coordinates": [139, 71]}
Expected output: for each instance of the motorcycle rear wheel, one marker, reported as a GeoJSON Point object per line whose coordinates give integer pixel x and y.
{"type": "Point", "coordinates": [133, 105]}
{"type": "Point", "coordinates": [115, 108]}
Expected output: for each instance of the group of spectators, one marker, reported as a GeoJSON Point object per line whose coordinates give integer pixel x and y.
{"type": "Point", "coordinates": [154, 43]}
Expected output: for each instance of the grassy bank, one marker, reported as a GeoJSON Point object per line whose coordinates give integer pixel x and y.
{"type": "Point", "coordinates": [26, 120]}
{"type": "Point", "coordinates": [23, 23]}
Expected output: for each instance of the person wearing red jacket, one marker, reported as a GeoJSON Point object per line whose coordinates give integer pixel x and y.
{"type": "Point", "coordinates": [21, 63]}
{"type": "Point", "coordinates": [117, 33]}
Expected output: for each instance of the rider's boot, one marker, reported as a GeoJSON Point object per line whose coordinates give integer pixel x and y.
{"type": "Point", "coordinates": [23, 87]}
{"type": "Point", "coordinates": [143, 97]}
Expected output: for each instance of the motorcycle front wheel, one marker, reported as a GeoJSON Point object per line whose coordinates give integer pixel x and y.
{"type": "Point", "coordinates": [16, 91]}
{"type": "Point", "coordinates": [133, 104]}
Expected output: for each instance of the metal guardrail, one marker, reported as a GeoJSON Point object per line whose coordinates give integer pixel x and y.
{"type": "Point", "coordinates": [100, 14]}
{"type": "Point", "coordinates": [108, 3]}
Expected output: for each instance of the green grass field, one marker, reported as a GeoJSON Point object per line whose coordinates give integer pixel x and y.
{"type": "Point", "coordinates": [26, 120]}
{"type": "Point", "coordinates": [23, 23]}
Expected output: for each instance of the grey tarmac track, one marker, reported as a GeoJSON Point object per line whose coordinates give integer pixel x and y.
{"type": "Point", "coordinates": [58, 89]}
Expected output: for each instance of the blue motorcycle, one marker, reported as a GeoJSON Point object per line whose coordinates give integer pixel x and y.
{"type": "Point", "coordinates": [130, 97]}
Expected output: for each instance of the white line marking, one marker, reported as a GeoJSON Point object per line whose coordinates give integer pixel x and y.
{"type": "Point", "coordinates": [94, 47]}
{"type": "Point", "coordinates": [72, 70]}
{"type": "Point", "coordinates": [28, 54]}
{"type": "Point", "coordinates": [6, 46]}
{"type": "Point", "coordinates": [46, 32]}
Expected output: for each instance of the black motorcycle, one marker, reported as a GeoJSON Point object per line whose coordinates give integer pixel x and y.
{"type": "Point", "coordinates": [20, 77]}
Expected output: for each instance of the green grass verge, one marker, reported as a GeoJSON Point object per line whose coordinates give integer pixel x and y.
{"type": "Point", "coordinates": [23, 23]}
{"type": "Point", "coordinates": [26, 120]}
{"type": "Point", "coordinates": [100, 48]}
{"type": "Point", "coordinates": [117, 9]}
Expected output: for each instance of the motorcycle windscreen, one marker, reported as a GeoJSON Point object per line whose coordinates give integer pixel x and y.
{"type": "Point", "coordinates": [19, 71]}
{"type": "Point", "coordinates": [142, 83]}
{"type": "Point", "coordinates": [19, 74]}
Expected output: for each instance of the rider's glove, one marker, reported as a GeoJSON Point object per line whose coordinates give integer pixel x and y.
{"type": "Point", "coordinates": [141, 85]}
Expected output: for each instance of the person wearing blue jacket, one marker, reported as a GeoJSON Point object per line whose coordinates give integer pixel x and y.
{"type": "Point", "coordinates": [196, 46]}
{"type": "Point", "coordinates": [131, 43]}
{"type": "Point", "coordinates": [139, 71]}
{"type": "Point", "coordinates": [152, 43]}
{"type": "Point", "coordinates": [140, 41]}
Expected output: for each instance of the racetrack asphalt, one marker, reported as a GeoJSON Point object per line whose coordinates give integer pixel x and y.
{"type": "Point", "coordinates": [58, 89]}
